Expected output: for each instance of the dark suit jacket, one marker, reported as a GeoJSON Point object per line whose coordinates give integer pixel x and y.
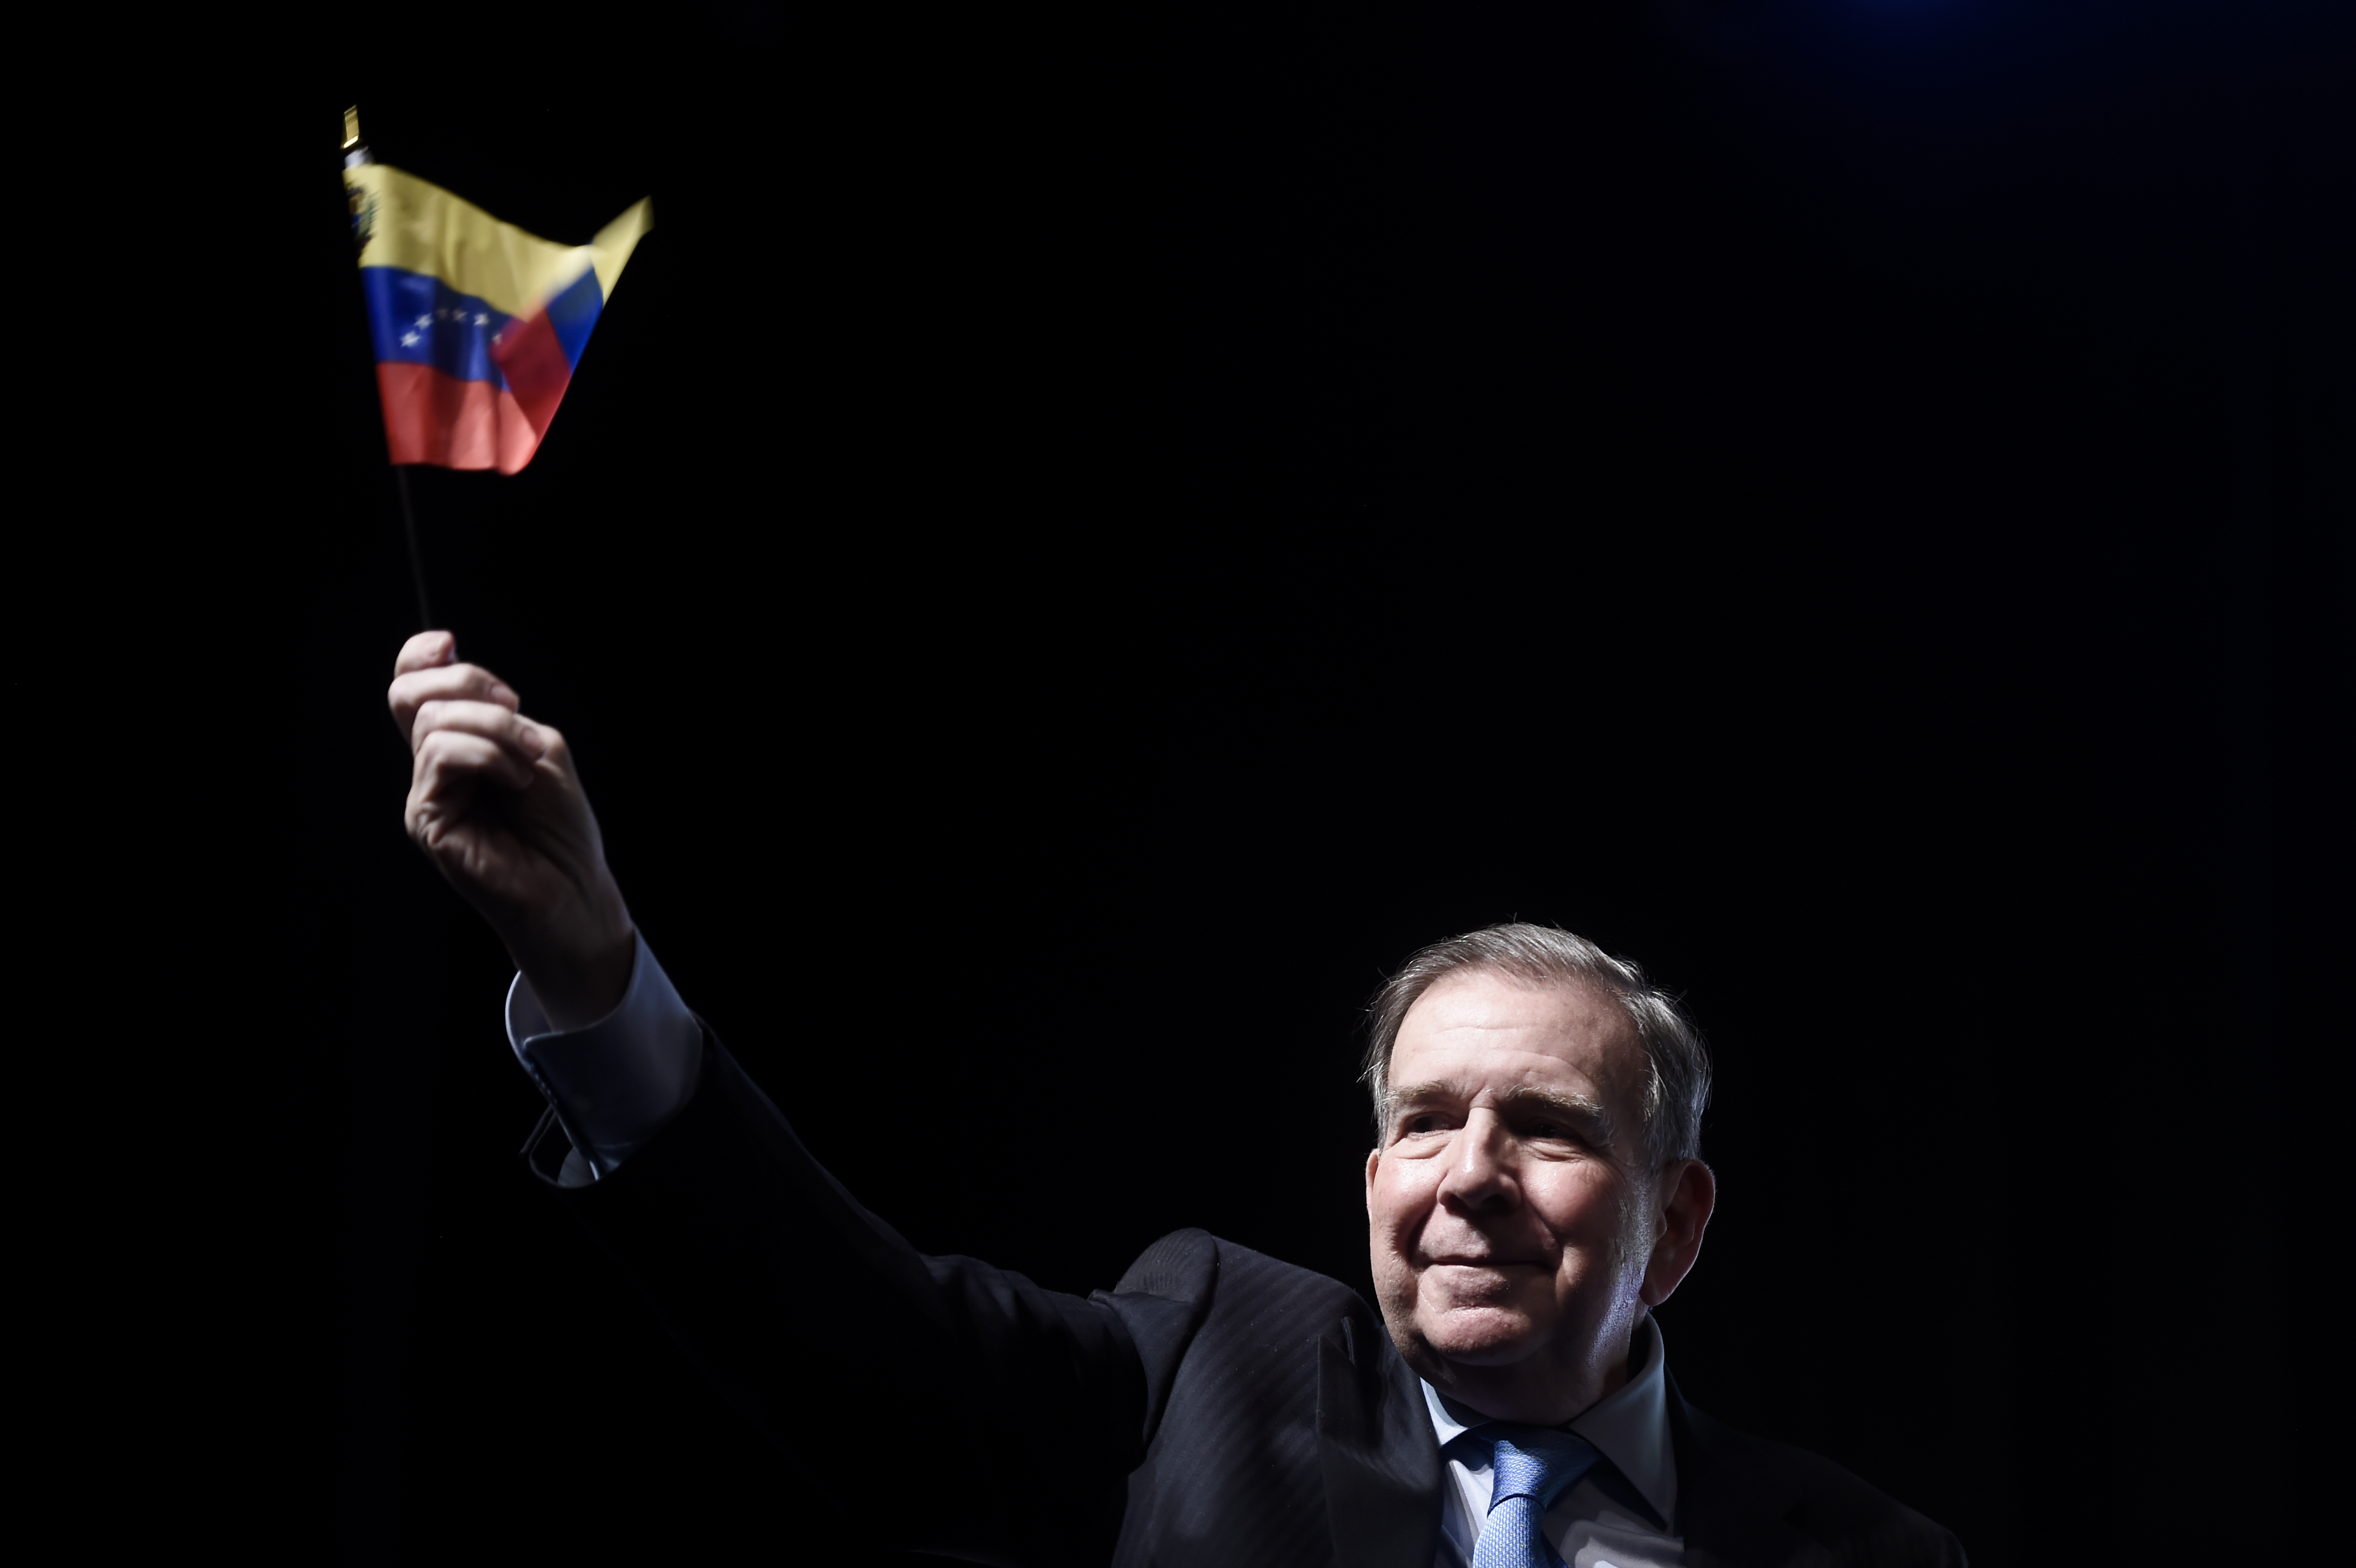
{"type": "Point", "coordinates": [1217, 1409]}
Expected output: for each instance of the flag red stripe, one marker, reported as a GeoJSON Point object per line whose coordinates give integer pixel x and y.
{"type": "Point", "coordinates": [430, 417]}
{"type": "Point", "coordinates": [532, 358]}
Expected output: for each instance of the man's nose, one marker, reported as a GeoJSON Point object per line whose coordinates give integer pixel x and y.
{"type": "Point", "coordinates": [1481, 1165]}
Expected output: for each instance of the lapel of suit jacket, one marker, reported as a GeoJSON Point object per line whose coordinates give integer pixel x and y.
{"type": "Point", "coordinates": [1729, 1516]}
{"type": "Point", "coordinates": [1376, 1448]}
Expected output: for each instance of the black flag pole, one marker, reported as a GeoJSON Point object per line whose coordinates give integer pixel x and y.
{"type": "Point", "coordinates": [416, 561]}
{"type": "Point", "coordinates": [356, 153]}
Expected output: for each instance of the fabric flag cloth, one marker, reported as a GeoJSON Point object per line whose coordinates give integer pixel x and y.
{"type": "Point", "coordinates": [477, 325]}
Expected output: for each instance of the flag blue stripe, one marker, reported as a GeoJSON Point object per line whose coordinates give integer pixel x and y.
{"type": "Point", "coordinates": [415, 318]}
{"type": "Point", "coordinates": [572, 312]}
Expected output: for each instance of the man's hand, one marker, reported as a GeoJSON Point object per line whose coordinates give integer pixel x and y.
{"type": "Point", "coordinates": [495, 804]}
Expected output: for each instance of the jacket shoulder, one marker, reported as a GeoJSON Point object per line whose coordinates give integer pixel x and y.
{"type": "Point", "coordinates": [1737, 1490]}
{"type": "Point", "coordinates": [1192, 1263]}
{"type": "Point", "coordinates": [1192, 1292]}
{"type": "Point", "coordinates": [1181, 1266]}
{"type": "Point", "coordinates": [1219, 1283]}
{"type": "Point", "coordinates": [1257, 1375]}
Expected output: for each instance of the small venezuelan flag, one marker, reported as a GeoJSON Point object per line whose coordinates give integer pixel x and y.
{"type": "Point", "coordinates": [477, 325]}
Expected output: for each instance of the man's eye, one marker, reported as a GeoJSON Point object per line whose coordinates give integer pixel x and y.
{"type": "Point", "coordinates": [1550, 1129]}
{"type": "Point", "coordinates": [1426, 1122]}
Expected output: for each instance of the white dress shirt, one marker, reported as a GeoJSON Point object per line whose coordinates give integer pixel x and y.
{"type": "Point", "coordinates": [615, 1083]}
{"type": "Point", "coordinates": [1605, 1521]}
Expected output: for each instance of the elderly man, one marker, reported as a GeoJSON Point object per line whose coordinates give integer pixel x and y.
{"type": "Point", "coordinates": [1534, 1191]}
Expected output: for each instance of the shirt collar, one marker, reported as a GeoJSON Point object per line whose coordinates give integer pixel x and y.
{"type": "Point", "coordinates": [1631, 1427]}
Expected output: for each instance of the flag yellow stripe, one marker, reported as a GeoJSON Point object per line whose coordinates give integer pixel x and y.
{"type": "Point", "coordinates": [610, 251]}
{"type": "Point", "coordinates": [421, 228]}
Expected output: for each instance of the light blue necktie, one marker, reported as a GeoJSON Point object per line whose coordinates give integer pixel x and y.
{"type": "Point", "coordinates": [1534, 1466]}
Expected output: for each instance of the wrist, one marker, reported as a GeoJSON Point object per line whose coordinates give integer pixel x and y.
{"type": "Point", "coordinates": [584, 984]}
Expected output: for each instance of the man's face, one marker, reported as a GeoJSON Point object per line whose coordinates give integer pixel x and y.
{"type": "Point", "coordinates": [1506, 1206]}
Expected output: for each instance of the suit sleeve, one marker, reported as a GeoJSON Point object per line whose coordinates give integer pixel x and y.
{"type": "Point", "coordinates": [1022, 1410]}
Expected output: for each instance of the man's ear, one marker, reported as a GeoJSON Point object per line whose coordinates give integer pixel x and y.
{"type": "Point", "coordinates": [1687, 1193]}
{"type": "Point", "coordinates": [1374, 1162]}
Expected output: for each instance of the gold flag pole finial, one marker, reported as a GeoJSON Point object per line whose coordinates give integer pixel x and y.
{"type": "Point", "coordinates": [355, 151]}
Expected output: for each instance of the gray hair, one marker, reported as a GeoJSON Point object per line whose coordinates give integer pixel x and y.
{"type": "Point", "coordinates": [1677, 1090]}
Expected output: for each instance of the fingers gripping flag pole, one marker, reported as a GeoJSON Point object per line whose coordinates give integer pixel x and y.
{"type": "Point", "coordinates": [477, 326]}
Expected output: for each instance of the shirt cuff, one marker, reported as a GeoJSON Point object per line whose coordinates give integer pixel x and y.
{"type": "Point", "coordinates": [615, 1083]}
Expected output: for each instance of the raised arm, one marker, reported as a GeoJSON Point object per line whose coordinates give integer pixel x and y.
{"type": "Point", "coordinates": [815, 1317]}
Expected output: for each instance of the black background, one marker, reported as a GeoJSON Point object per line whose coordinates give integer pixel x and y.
{"type": "Point", "coordinates": [1083, 538]}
